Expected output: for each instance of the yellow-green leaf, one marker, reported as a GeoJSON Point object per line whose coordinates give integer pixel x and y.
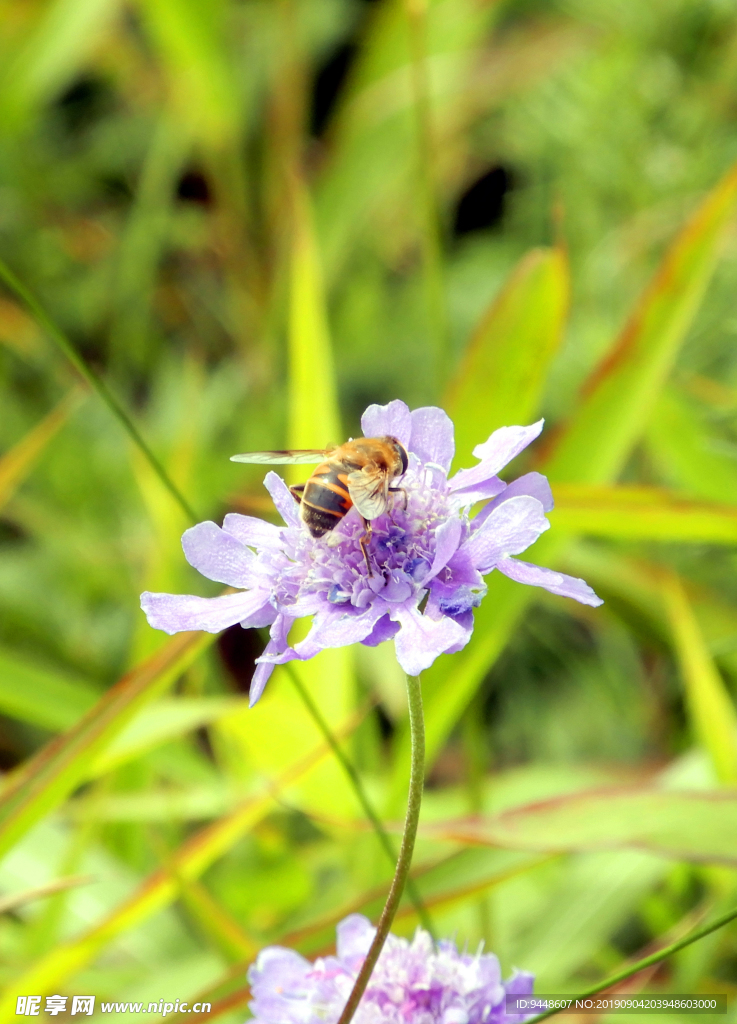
{"type": "Point", "coordinates": [696, 826]}
{"type": "Point", "coordinates": [641, 513]}
{"type": "Point", "coordinates": [314, 417]}
{"type": "Point", "coordinates": [501, 377]}
{"type": "Point", "coordinates": [42, 696]}
{"type": "Point", "coordinates": [62, 38]}
{"type": "Point", "coordinates": [190, 37]}
{"type": "Point", "coordinates": [620, 395]}
{"type": "Point", "coordinates": [710, 707]}
{"type": "Point", "coordinates": [48, 778]}
{"type": "Point", "coordinates": [17, 463]}
{"type": "Point", "coordinates": [685, 453]}
{"type": "Point", "coordinates": [161, 887]}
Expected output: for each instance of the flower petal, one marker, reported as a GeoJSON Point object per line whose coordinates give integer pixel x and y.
{"type": "Point", "coordinates": [520, 984]}
{"type": "Point", "coordinates": [282, 498]}
{"type": "Point", "coordinates": [509, 529]}
{"type": "Point", "coordinates": [302, 651]}
{"type": "Point", "coordinates": [355, 934]}
{"type": "Point", "coordinates": [505, 443]}
{"type": "Point", "coordinates": [256, 533]}
{"type": "Point", "coordinates": [421, 639]}
{"type": "Point", "coordinates": [495, 453]}
{"type": "Point", "coordinates": [462, 497]}
{"type": "Point", "coordinates": [432, 436]}
{"type": "Point", "coordinates": [447, 539]}
{"type": "Point", "coordinates": [533, 484]}
{"type": "Point", "coordinates": [308, 604]}
{"type": "Point", "coordinates": [336, 628]}
{"type": "Point", "coordinates": [175, 613]}
{"type": "Point", "coordinates": [394, 419]}
{"type": "Point", "coordinates": [218, 555]}
{"type": "Point", "coordinates": [384, 629]}
{"type": "Point", "coordinates": [555, 582]}
{"type": "Point", "coordinates": [259, 679]}
{"type": "Point", "coordinates": [277, 975]}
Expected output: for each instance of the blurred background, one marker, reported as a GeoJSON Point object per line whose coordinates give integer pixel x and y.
{"type": "Point", "coordinates": [252, 218]}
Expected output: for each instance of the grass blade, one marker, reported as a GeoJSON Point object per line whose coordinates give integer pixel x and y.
{"type": "Point", "coordinates": [654, 958]}
{"type": "Point", "coordinates": [620, 395]}
{"type": "Point", "coordinates": [161, 887]}
{"type": "Point", "coordinates": [641, 513]}
{"type": "Point", "coordinates": [426, 177]}
{"type": "Point", "coordinates": [686, 454]}
{"type": "Point", "coordinates": [17, 463]}
{"type": "Point", "coordinates": [20, 899]}
{"type": "Point", "coordinates": [502, 374]}
{"type": "Point", "coordinates": [700, 827]}
{"type": "Point", "coordinates": [96, 383]}
{"type": "Point", "coordinates": [710, 707]}
{"type": "Point", "coordinates": [47, 779]}
{"type": "Point", "coordinates": [42, 696]}
{"type": "Point", "coordinates": [60, 42]}
{"type": "Point", "coordinates": [314, 416]}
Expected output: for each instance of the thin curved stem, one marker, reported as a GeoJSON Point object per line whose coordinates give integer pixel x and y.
{"type": "Point", "coordinates": [361, 794]}
{"type": "Point", "coordinates": [96, 383]}
{"type": "Point", "coordinates": [414, 800]}
{"type": "Point", "coordinates": [648, 961]}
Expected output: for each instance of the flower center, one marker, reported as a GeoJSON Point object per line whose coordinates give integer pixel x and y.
{"type": "Point", "coordinates": [401, 548]}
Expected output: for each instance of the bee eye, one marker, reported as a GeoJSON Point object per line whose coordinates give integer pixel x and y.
{"type": "Point", "coordinates": [403, 456]}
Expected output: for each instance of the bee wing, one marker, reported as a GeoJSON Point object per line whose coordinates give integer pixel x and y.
{"type": "Point", "coordinates": [307, 455]}
{"type": "Point", "coordinates": [369, 490]}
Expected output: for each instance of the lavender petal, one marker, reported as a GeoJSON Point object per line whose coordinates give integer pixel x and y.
{"type": "Point", "coordinates": [534, 485]}
{"type": "Point", "coordinates": [505, 443]}
{"type": "Point", "coordinates": [495, 453]}
{"type": "Point", "coordinates": [432, 436]}
{"type": "Point", "coordinates": [282, 498]}
{"type": "Point", "coordinates": [555, 582]}
{"type": "Point", "coordinates": [447, 539]}
{"type": "Point", "coordinates": [176, 613]}
{"type": "Point", "coordinates": [218, 555]}
{"type": "Point", "coordinates": [394, 419]}
{"type": "Point", "coordinates": [421, 639]}
{"type": "Point", "coordinates": [384, 629]}
{"type": "Point", "coordinates": [463, 497]}
{"type": "Point", "coordinates": [259, 679]}
{"type": "Point", "coordinates": [509, 529]}
{"type": "Point", "coordinates": [355, 934]}
{"type": "Point", "coordinates": [279, 632]}
{"type": "Point", "coordinates": [520, 984]}
{"type": "Point", "coordinates": [336, 628]}
{"type": "Point", "coordinates": [256, 533]}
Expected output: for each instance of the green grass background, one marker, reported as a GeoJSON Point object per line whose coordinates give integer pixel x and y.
{"type": "Point", "coordinates": [247, 265]}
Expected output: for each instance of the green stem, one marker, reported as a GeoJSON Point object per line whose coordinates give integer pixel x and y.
{"type": "Point", "coordinates": [648, 961]}
{"type": "Point", "coordinates": [414, 800]}
{"type": "Point", "coordinates": [361, 794]}
{"type": "Point", "coordinates": [96, 383]}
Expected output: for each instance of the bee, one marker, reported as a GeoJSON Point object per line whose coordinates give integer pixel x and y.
{"type": "Point", "coordinates": [359, 472]}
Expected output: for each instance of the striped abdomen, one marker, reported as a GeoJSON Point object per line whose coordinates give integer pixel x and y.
{"type": "Point", "coordinates": [325, 499]}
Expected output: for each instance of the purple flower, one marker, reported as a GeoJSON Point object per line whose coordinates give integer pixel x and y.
{"type": "Point", "coordinates": [428, 548]}
{"type": "Point", "coordinates": [412, 983]}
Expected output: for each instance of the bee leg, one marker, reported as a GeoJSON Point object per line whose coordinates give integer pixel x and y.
{"type": "Point", "coordinates": [400, 490]}
{"type": "Point", "coordinates": [363, 541]}
{"type": "Point", "coordinates": [297, 492]}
